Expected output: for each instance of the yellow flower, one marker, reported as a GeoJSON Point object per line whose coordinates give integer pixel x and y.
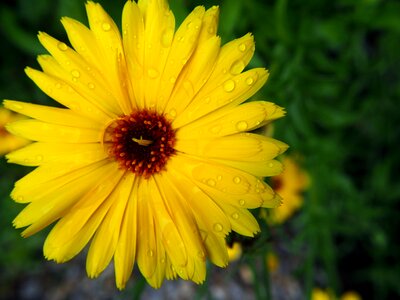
{"type": "Point", "coordinates": [350, 295]}
{"type": "Point", "coordinates": [234, 251]}
{"type": "Point", "coordinates": [150, 160]}
{"type": "Point", "coordinates": [320, 294]}
{"type": "Point", "coordinates": [289, 186]}
{"type": "Point", "coordinates": [9, 142]}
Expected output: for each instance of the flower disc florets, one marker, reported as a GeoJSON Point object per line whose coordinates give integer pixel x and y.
{"type": "Point", "coordinates": [142, 142]}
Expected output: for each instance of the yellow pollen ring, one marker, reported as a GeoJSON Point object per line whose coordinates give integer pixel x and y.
{"type": "Point", "coordinates": [142, 142]}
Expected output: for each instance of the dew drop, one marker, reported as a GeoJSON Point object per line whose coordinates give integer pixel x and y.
{"type": "Point", "coordinates": [75, 73]}
{"type": "Point", "coordinates": [237, 67]}
{"type": "Point", "coordinates": [242, 202]}
{"type": "Point", "coordinates": [39, 157]}
{"type": "Point", "coordinates": [216, 129]}
{"type": "Point", "coordinates": [242, 125]}
{"type": "Point", "coordinates": [172, 79]}
{"type": "Point", "coordinates": [242, 47]}
{"type": "Point", "coordinates": [106, 26]}
{"type": "Point", "coordinates": [62, 46]}
{"type": "Point", "coordinates": [237, 179]}
{"type": "Point", "coordinates": [20, 198]}
{"type": "Point", "coordinates": [172, 113]}
{"type": "Point", "coordinates": [229, 86]}
{"type": "Point", "coordinates": [218, 227]}
{"type": "Point", "coordinates": [211, 182]}
{"type": "Point", "coordinates": [91, 85]}
{"type": "Point", "coordinates": [150, 253]}
{"type": "Point", "coordinates": [219, 177]}
{"type": "Point", "coordinates": [124, 32]}
{"type": "Point", "coordinates": [189, 25]}
{"type": "Point", "coordinates": [207, 100]}
{"type": "Point", "coordinates": [271, 165]}
{"type": "Point", "coordinates": [249, 80]}
{"type": "Point", "coordinates": [162, 260]}
{"type": "Point", "coordinates": [211, 29]}
{"type": "Point", "coordinates": [235, 216]}
{"type": "Point", "coordinates": [166, 38]}
{"type": "Point", "coordinates": [153, 73]}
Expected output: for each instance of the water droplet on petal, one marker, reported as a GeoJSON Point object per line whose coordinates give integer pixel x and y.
{"type": "Point", "coordinates": [172, 113]}
{"type": "Point", "coordinates": [237, 179]}
{"type": "Point", "coordinates": [242, 125]}
{"type": "Point", "coordinates": [235, 216]}
{"type": "Point", "coordinates": [242, 202]}
{"type": "Point", "coordinates": [271, 165]}
{"type": "Point", "coordinates": [39, 157]}
{"type": "Point", "coordinates": [229, 86]}
{"type": "Point", "coordinates": [167, 37]}
{"type": "Point", "coordinates": [218, 227]}
{"type": "Point", "coordinates": [58, 85]}
{"type": "Point", "coordinates": [91, 85]}
{"type": "Point", "coordinates": [20, 198]}
{"type": "Point", "coordinates": [18, 106]}
{"type": "Point", "coordinates": [150, 253]}
{"type": "Point", "coordinates": [219, 177]}
{"type": "Point", "coordinates": [242, 47]}
{"type": "Point", "coordinates": [189, 25]}
{"type": "Point", "coordinates": [216, 129]}
{"type": "Point", "coordinates": [237, 67]}
{"type": "Point", "coordinates": [172, 79]}
{"type": "Point", "coordinates": [75, 73]}
{"type": "Point", "coordinates": [249, 80]}
{"type": "Point", "coordinates": [211, 182]}
{"type": "Point", "coordinates": [106, 26]}
{"type": "Point", "coordinates": [62, 46]}
{"type": "Point", "coordinates": [153, 73]}
{"type": "Point", "coordinates": [207, 100]}
{"type": "Point", "coordinates": [162, 260]}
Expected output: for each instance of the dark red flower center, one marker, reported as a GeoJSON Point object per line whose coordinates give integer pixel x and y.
{"type": "Point", "coordinates": [142, 142]}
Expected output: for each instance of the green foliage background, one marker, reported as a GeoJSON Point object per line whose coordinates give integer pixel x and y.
{"type": "Point", "coordinates": [335, 68]}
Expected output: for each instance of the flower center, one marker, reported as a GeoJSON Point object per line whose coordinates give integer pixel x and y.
{"type": "Point", "coordinates": [141, 142]}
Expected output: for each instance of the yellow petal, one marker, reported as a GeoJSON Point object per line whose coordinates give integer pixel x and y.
{"type": "Point", "coordinates": [63, 93]}
{"type": "Point", "coordinates": [40, 153]}
{"type": "Point", "coordinates": [237, 147]}
{"type": "Point", "coordinates": [210, 24]}
{"type": "Point", "coordinates": [47, 132]}
{"type": "Point", "coordinates": [83, 41]}
{"type": "Point", "coordinates": [183, 45]}
{"type": "Point", "coordinates": [228, 93]}
{"type": "Point", "coordinates": [242, 220]}
{"type": "Point", "coordinates": [109, 47]}
{"type": "Point", "coordinates": [172, 241]}
{"type": "Point", "coordinates": [78, 73]}
{"type": "Point", "coordinates": [50, 201]}
{"type": "Point", "coordinates": [50, 114]}
{"type": "Point", "coordinates": [146, 254]}
{"type": "Point", "coordinates": [91, 208]}
{"type": "Point", "coordinates": [159, 26]}
{"type": "Point", "coordinates": [193, 76]}
{"type": "Point", "coordinates": [244, 117]}
{"type": "Point", "coordinates": [202, 206]}
{"type": "Point", "coordinates": [133, 42]}
{"type": "Point", "coordinates": [105, 240]}
{"type": "Point", "coordinates": [157, 278]}
{"type": "Point", "coordinates": [125, 253]}
{"type": "Point", "coordinates": [226, 184]}
{"type": "Point", "coordinates": [261, 169]}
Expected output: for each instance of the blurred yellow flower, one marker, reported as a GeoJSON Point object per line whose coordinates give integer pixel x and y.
{"type": "Point", "coordinates": [289, 185]}
{"type": "Point", "coordinates": [320, 294]}
{"type": "Point", "coordinates": [9, 142]}
{"type": "Point", "coordinates": [151, 160]}
{"type": "Point", "coordinates": [351, 295]}
{"type": "Point", "coordinates": [234, 251]}
{"type": "Point", "coordinates": [272, 262]}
